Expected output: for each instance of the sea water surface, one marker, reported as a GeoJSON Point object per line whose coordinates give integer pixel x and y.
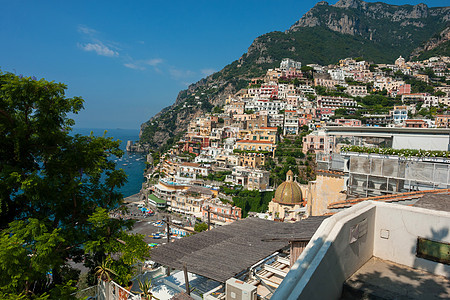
{"type": "Point", "coordinates": [132, 163]}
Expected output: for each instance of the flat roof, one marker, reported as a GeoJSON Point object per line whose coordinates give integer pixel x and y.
{"type": "Point", "coordinates": [225, 251]}
{"type": "Point", "coordinates": [382, 279]}
{"type": "Point", "coordinates": [389, 130]}
{"type": "Point", "coordinates": [156, 199]}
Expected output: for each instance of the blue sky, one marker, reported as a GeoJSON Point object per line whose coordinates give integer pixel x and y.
{"type": "Point", "coordinates": [129, 59]}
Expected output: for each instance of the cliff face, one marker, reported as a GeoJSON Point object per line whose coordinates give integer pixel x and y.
{"type": "Point", "coordinates": [377, 32]}
{"type": "Point", "coordinates": [438, 44]}
{"type": "Point", "coordinates": [374, 21]}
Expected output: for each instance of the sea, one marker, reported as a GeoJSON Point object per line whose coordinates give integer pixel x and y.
{"type": "Point", "coordinates": [132, 163]}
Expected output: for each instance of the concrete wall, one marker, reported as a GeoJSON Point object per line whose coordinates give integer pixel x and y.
{"type": "Point", "coordinates": [346, 241]}
{"type": "Point", "coordinates": [323, 191]}
{"type": "Point", "coordinates": [330, 258]}
{"type": "Point", "coordinates": [425, 142]}
{"type": "Point", "coordinates": [397, 230]}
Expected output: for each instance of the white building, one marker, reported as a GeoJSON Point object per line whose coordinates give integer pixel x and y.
{"type": "Point", "coordinates": [288, 63]}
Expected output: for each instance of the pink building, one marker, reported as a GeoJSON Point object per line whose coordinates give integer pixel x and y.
{"type": "Point", "coordinates": [348, 122]}
{"type": "Point", "coordinates": [404, 89]}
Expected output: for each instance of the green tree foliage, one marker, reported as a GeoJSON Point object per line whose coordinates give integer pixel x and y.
{"type": "Point", "coordinates": [199, 227]}
{"type": "Point", "coordinates": [55, 192]}
{"type": "Point", "coordinates": [255, 201]}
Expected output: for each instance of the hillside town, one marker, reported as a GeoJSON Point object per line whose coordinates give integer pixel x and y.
{"type": "Point", "coordinates": [211, 150]}
{"type": "Point", "coordinates": [304, 115]}
{"type": "Point", "coordinates": [299, 145]}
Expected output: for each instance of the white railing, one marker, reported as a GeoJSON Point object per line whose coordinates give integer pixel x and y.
{"type": "Point", "coordinates": [112, 291]}
{"type": "Point", "coordinates": [91, 291]}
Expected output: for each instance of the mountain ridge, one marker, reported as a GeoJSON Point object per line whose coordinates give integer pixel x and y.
{"type": "Point", "coordinates": [378, 32]}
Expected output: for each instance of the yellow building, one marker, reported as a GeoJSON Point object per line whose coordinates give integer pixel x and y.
{"type": "Point", "coordinates": [255, 145]}
{"type": "Point", "coordinates": [264, 134]}
{"type": "Point", "coordinates": [287, 203]}
{"type": "Point", "coordinates": [252, 160]}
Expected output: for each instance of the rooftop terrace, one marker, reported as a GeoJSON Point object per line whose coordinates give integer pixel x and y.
{"type": "Point", "coordinates": [407, 246]}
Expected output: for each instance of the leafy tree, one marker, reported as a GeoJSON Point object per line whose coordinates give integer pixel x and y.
{"type": "Point", "coordinates": [55, 188]}
{"type": "Point", "coordinates": [199, 227]}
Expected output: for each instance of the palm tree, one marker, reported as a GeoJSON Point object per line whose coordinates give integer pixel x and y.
{"type": "Point", "coordinates": [103, 271]}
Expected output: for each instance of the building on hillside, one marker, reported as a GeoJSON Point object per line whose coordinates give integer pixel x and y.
{"type": "Point", "coordinates": [413, 98]}
{"type": "Point", "coordinates": [190, 200]}
{"type": "Point", "coordinates": [193, 144]}
{"type": "Point", "coordinates": [324, 113]}
{"type": "Point", "coordinates": [263, 134]}
{"type": "Point", "coordinates": [404, 89]}
{"type": "Point", "coordinates": [376, 119]}
{"type": "Point", "coordinates": [258, 180]}
{"type": "Point", "coordinates": [251, 160]}
{"type": "Point", "coordinates": [276, 120]}
{"type": "Point", "coordinates": [290, 125]}
{"type": "Point", "coordinates": [249, 178]}
{"type": "Point", "coordinates": [336, 102]}
{"type": "Point", "coordinates": [318, 141]}
{"type": "Point", "coordinates": [400, 62]}
{"type": "Point", "coordinates": [261, 120]}
{"type": "Point", "coordinates": [399, 114]}
{"type": "Point", "coordinates": [288, 203]}
{"type": "Point", "coordinates": [369, 174]}
{"type": "Point", "coordinates": [272, 75]}
{"type": "Point", "coordinates": [357, 90]}
{"type": "Point", "coordinates": [422, 77]}
{"type": "Point", "coordinates": [192, 170]}
{"type": "Point", "coordinates": [235, 107]}
{"type": "Point", "coordinates": [255, 145]}
{"type": "Point", "coordinates": [443, 121]}
{"type": "Point", "coordinates": [167, 190]}
{"type": "Point", "coordinates": [268, 90]}
{"type": "Point", "coordinates": [413, 123]}
{"type": "Point", "coordinates": [169, 167]}
{"type": "Point", "coordinates": [326, 82]}
{"type": "Point", "coordinates": [287, 63]}
{"type": "Point", "coordinates": [348, 122]}
{"type": "Point", "coordinates": [227, 160]}
{"type": "Point", "coordinates": [220, 212]}
{"type": "Point", "coordinates": [385, 137]}
{"type": "Point", "coordinates": [271, 107]}
{"type": "Point", "coordinates": [156, 202]}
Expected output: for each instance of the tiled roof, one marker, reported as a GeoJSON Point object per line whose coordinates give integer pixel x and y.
{"type": "Point", "coordinates": [254, 142]}
{"type": "Point", "coordinates": [188, 164]}
{"type": "Point", "coordinates": [330, 172]}
{"type": "Point", "coordinates": [388, 198]}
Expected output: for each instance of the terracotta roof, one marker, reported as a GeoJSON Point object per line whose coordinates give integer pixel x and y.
{"type": "Point", "coordinates": [330, 172]}
{"type": "Point", "coordinates": [254, 142]}
{"type": "Point", "coordinates": [414, 121]}
{"type": "Point", "coordinates": [188, 164]}
{"type": "Point", "coordinates": [274, 128]}
{"type": "Point", "coordinates": [388, 198]}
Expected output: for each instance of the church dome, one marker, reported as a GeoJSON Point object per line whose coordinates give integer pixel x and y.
{"type": "Point", "coordinates": [288, 192]}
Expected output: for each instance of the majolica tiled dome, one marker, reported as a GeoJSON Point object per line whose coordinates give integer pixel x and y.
{"type": "Point", "coordinates": [288, 192]}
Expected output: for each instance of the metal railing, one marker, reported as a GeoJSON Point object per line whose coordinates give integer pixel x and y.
{"type": "Point", "coordinates": [106, 290]}
{"type": "Point", "coordinates": [87, 293]}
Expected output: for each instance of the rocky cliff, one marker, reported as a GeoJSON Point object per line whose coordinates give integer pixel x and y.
{"type": "Point", "coordinates": [377, 32]}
